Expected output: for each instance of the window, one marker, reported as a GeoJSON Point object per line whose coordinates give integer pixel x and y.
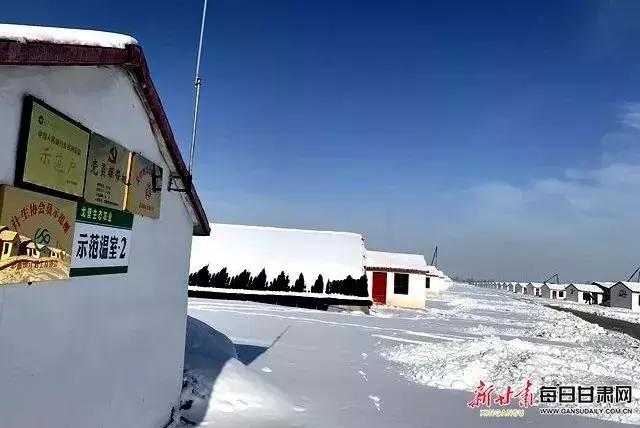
{"type": "Point", "coordinates": [560, 294]}
{"type": "Point", "coordinates": [401, 283]}
{"type": "Point", "coordinates": [427, 282]}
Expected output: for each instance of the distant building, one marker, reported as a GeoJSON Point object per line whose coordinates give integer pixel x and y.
{"type": "Point", "coordinates": [520, 288]}
{"type": "Point", "coordinates": [625, 295]}
{"type": "Point", "coordinates": [534, 289]}
{"type": "Point", "coordinates": [436, 281]}
{"type": "Point", "coordinates": [584, 293]}
{"type": "Point", "coordinates": [553, 291]}
{"type": "Point", "coordinates": [398, 279]}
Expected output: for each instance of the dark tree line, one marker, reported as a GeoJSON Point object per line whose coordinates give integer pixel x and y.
{"type": "Point", "coordinates": [244, 281]}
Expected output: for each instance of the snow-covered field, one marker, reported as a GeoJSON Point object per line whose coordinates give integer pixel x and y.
{"type": "Point", "coordinates": [409, 368]}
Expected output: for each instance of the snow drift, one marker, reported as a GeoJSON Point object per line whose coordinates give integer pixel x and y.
{"type": "Point", "coordinates": [219, 390]}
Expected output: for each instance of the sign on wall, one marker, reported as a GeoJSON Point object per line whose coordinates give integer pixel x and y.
{"type": "Point", "coordinates": [145, 187]}
{"type": "Point", "coordinates": [107, 173]}
{"type": "Point", "coordinates": [101, 242]}
{"type": "Point", "coordinates": [36, 235]}
{"type": "Point", "coordinates": [53, 150]}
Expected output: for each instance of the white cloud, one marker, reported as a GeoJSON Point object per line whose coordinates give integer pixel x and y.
{"type": "Point", "coordinates": [584, 224]}
{"type": "Point", "coordinates": [631, 115]}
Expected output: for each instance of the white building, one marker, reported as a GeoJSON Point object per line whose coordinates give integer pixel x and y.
{"type": "Point", "coordinates": [584, 293]}
{"type": "Point", "coordinates": [334, 255]}
{"type": "Point", "coordinates": [625, 295]}
{"type": "Point", "coordinates": [398, 279]}
{"type": "Point", "coordinates": [103, 350]}
{"type": "Point", "coordinates": [553, 291]}
{"type": "Point", "coordinates": [534, 289]}
{"type": "Point", "coordinates": [520, 288]}
{"type": "Point", "coordinates": [436, 281]}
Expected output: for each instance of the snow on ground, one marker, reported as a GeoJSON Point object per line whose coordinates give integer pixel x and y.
{"type": "Point", "coordinates": [409, 368]}
{"type": "Point", "coordinates": [219, 390]}
{"type": "Point", "coordinates": [605, 311]}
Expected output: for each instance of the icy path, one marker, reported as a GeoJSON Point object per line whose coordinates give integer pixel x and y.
{"type": "Point", "coordinates": [411, 368]}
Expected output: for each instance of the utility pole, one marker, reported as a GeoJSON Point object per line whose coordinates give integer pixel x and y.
{"type": "Point", "coordinates": [196, 83]}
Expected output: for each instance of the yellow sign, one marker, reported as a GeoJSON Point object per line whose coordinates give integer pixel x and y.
{"type": "Point", "coordinates": [145, 187]}
{"type": "Point", "coordinates": [107, 173]}
{"type": "Point", "coordinates": [54, 150]}
{"type": "Point", "coordinates": [36, 236]}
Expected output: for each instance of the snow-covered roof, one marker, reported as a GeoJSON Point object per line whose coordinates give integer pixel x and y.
{"type": "Point", "coordinates": [24, 45]}
{"type": "Point", "coordinates": [380, 259]}
{"type": "Point", "coordinates": [633, 286]}
{"type": "Point", "coordinates": [335, 255]}
{"type": "Point", "coordinates": [536, 284]}
{"type": "Point", "coordinates": [590, 288]}
{"type": "Point", "coordinates": [434, 271]}
{"type": "Point", "coordinates": [66, 36]}
{"type": "Point", "coordinates": [556, 286]}
{"type": "Point", "coordinates": [605, 284]}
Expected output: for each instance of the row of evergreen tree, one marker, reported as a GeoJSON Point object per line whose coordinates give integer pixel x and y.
{"type": "Point", "coordinates": [244, 281]}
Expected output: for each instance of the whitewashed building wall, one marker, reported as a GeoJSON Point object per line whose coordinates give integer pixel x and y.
{"type": "Point", "coordinates": [103, 351]}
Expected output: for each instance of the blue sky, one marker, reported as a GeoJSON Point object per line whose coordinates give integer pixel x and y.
{"type": "Point", "coordinates": [505, 132]}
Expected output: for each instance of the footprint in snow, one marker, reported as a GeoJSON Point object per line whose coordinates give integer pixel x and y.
{"type": "Point", "coordinates": [266, 370]}
{"type": "Point", "coordinates": [376, 401]}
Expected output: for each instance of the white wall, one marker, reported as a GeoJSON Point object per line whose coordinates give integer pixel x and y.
{"type": "Point", "coordinates": [104, 351]}
{"type": "Point", "coordinates": [546, 292]}
{"type": "Point", "coordinates": [578, 296]}
{"type": "Point", "coordinates": [436, 285]}
{"type": "Point", "coordinates": [416, 297]}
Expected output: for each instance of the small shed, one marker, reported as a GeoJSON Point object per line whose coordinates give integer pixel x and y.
{"type": "Point", "coordinates": [625, 295]}
{"type": "Point", "coordinates": [534, 289]}
{"type": "Point", "coordinates": [520, 288]}
{"type": "Point", "coordinates": [398, 279]}
{"type": "Point", "coordinates": [584, 293]}
{"type": "Point", "coordinates": [553, 291]}
{"type": "Point", "coordinates": [436, 281]}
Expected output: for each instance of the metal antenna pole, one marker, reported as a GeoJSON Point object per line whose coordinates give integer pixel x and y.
{"type": "Point", "coordinates": [197, 82]}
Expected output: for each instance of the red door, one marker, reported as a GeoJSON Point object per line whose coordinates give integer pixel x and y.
{"type": "Point", "coordinates": [553, 294]}
{"type": "Point", "coordinates": [379, 288]}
